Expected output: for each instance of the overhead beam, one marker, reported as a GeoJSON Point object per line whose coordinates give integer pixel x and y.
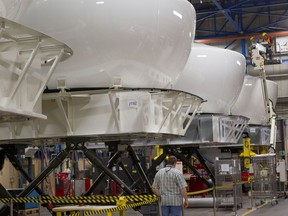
{"type": "Point", "coordinates": [247, 5]}
{"type": "Point", "coordinates": [226, 13]}
{"type": "Point", "coordinates": [214, 40]}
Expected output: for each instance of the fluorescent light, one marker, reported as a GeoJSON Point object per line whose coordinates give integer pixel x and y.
{"type": "Point", "coordinates": [202, 56]}
{"type": "Point", "coordinates": [177, 14]}
{"type": "Point", "coordinates": [100, 2]}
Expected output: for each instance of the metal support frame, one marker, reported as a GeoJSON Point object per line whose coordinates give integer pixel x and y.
{"type": "Point", "coordinates": [106, 170]}
{"type": "Point", "coordinates": [33, 184]}
{"type": "Point", "coordinates": [160, 115]}
{"type": "Point", "coordinates": [212, 129]}
{"type": "Point", "coordinates": [243, 45]}
{"type": "Point", "coordinates": [18, 166]}
{"type": "Point", "coordinates": [226, 12]}
{"type": "Point", "coordinates": [172, 151]}
{"type": "Point", "coordinates": [53, 164]}
{"type": "Point", "coordinates": [203, 162]}
{"type": "Point", "coordinates": [270, 114]}
{"type": "Point", "coordinates": [23, 54]}
{"type": "Point", "coordinates": [64, 113]}
{"type": "Point", "coordinates": [120, 163]}
{"type": "Point", "coordinates": [273, 126]}
{"type": "Point", "coordinates": [152, 169]}
{"type": "Point", "coordinates": [110, 164]}
{"type": "Point", "coordinates": [232, 128]}
{"type": "Point", "coordinates": [91, 156]}
{"type": "Point", "coordinates": [5, 194]}
{"type": "Point", "coordinates": [265, 93]}
{"type": "Point", "coordinates": [176, 108]}
{"type": "Point", "coordinates": [71, 146]}
{"type": "Point", "coordinates": [187, 163]}
{"type": "Point", "coordinates": [24, 73]}
{"type": "Point", "coordinates": [30, 172]}
{"type": "Point", "coordinates": [114, 110]}
{"type": "Point", "coordinates": [207, 12]}
{"type": "Point", "coordinates": [137, 163]}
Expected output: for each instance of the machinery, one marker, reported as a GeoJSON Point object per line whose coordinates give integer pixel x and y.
{"type": "Point", "coordinates": [126, 81]}
{"type": "Point", "coordinates": [261, 93]}
{"type": "Point", "coordinates": [115, 87]}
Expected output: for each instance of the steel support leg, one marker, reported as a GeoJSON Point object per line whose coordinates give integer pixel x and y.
{"type": "Point", "coordinates": [203, 162]}
{"type": "Point", "coordinates": [18, 166]}
{"type": "Point", "coordinates": [91, 156]}
{"type": "Point", "coordinates": [141, 172]}
{"type": "Point", "coordinates": [110, 164]}
{"type": "Point", "coordinates": [5, 194]}
{"type": "Point", "coordinates": [152, 170]}
{"type": "Point", "coordinates": [187, 163]}
{"type": "Point", "coordinates": [120, 163]}
{"type": "Point", "coordinates": [53, 164]}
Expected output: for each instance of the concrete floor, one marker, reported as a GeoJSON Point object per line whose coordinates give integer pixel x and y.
{"type": "Point", "coordinates": [281, 209]}
{"type": "Point", "coordinates": [266, 209]}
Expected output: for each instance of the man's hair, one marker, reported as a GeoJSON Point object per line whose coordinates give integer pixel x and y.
{"type": "Point", "coordinates": [171, 160]}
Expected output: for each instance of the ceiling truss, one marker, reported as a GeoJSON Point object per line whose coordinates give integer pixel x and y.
{"type": "Point", "coordinates": [239, 17]}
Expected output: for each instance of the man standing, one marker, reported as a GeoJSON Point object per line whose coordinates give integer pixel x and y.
{"type": "Point", "coordinates": [170, 186]}
{"type": "Point", "coordinates": [268, 43]}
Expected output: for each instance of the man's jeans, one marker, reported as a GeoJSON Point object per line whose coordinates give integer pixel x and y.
{"type": "Point", "coordinates": [171, 210]}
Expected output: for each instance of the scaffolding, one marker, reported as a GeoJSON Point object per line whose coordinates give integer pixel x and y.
{"type": "Point", "coordinates": [263, 184]}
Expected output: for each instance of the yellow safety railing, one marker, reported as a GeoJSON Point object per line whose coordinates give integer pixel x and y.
{"type": "Point", "coordinates": [122, 202]}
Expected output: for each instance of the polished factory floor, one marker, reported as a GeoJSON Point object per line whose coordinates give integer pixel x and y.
{"type": "Point", "coordinates": [265, 209]}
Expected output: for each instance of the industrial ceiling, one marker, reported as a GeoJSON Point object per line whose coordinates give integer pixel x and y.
{"type": "Point", "coordinates": [227, 18]}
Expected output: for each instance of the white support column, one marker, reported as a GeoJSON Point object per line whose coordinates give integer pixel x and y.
{"type": "Point", "coordinates": [22, 74]}
{"type": "Point", "coordinates": [114, 112]}
{"type": "Point", "coordinates": [65, 115]}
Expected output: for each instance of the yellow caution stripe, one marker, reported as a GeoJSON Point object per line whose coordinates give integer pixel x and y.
{"type": "Point", "coordinates": [199, 192]}
{"type": "Point", "coordinates": [77, 199]}
{"type": "Point", "coordinates": [119, 208]}
{"type": "Point", "coordinates": [96, 199]}
{"type": "Point", "coordinates": [218, 187]}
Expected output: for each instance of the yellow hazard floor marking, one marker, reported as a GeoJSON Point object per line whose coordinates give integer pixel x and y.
{"type": "Point", "coordinates": [254, 209]}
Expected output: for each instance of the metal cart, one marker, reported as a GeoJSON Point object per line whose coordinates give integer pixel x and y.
{"type": "Point", "coordinates": [263, 184]}
{"type": "Point", "coordinates": [228, 187]}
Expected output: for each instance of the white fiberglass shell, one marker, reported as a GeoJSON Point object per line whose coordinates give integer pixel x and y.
{"type": "Point", "coordinates": [214, 74]}
{"type": "Point", "coordinates": [250, 102]}
{"type": "Point", "coordinates": [136, 43]}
